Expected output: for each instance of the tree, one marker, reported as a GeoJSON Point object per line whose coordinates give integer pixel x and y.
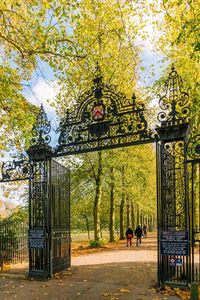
{"type": "Point", "coordinates": [105, 31]}
{"type": "Point", "coordinates": [112, 205]}
{"type": "Point", "coordinates": [30, 31]}
{"type": "Point", "coordinates": [16, 114]}
{"type": "Point", "coordinates": [97, 199]}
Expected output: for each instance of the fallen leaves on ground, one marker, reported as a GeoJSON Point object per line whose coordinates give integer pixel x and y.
{"type": "Point", "coordinates": [114, 294]}
{"type": "Point", "coordinates": [45, 285]}
{"type": "Point", "coordinates": [169, 291]}
{"type": "Point", "coordinates": [123, 291]}
{"type": "Point", "coordinates": [106, 294]}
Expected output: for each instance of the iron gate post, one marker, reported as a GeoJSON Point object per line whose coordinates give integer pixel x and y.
{"type": "Point", "coordinates": [172, 197]}
{"type": "Point", "coordinates": [173, 212]}
{"type": "Point", "coordinates": [40, 154]}
{"type": "Point", "coordinates": [39, 213]}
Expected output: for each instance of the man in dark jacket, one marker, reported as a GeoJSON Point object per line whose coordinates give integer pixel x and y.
{"type": "Point", "coordinates": [138, 234]}
{"type": "Point", "coordinates": [129, 236]}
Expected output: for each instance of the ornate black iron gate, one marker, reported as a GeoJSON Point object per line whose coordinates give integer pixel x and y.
{"type": "Point", "coordinates": [60, 217]}
{"type": "Point", "coordinates": [49, 219]}
{"type": "Point", "coordinates": [193, 189]}
{"type": "Point", "coordinates": [173, 212]}
{"type": "Point", "coordinates": [49, 215]}
{"type": "Point", "coordinates": [105, 119]}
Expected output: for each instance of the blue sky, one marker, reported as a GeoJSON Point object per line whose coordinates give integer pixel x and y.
{"type": "Point", "coordinates": [43, 84]}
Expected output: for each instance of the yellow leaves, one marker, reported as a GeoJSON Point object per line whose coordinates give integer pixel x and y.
{"type": "Point", "coordinates": [124, 291]}
{"type": "Point", "coordinates": [168, 291]}
{"type": "Point", "coordinates": [114, 295]}
{"type": "Point", "coordinates": [106, 294]}
{"type": "Point", "coordinates": [45, 285]}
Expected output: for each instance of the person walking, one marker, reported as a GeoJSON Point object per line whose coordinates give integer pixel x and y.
{"type": "Point", "coordinates": [129, 236]}
{"type": "Point", "coordinates": [138, 234]}
{"type": "Point", "coordinates": [145, 230]}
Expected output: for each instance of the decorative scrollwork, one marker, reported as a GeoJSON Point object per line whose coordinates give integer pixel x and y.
{"type": "Point", "coordinates": [193, 146]}
{"type": "Point", "coordinates": [15, 170]}
{"type": "Point", "coordinates": [173, 184]}
{"type": "Point", "coordinates": [104, 118]}
{"type": "Point", "coordinates": [175, 102]}
{"type": "Point", "coordinates": [41, 129]}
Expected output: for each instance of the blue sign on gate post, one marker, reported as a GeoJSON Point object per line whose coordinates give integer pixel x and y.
{"type": "Point", "coordinates": [37, 239]}
{"type": "Point", "coordinates": [174, 243]}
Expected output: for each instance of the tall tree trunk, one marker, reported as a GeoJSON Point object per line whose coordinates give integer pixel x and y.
{"type": "Point", "coordinates": [97, 199]}
{"type": "Point", "coordinates": [112, 206]}
{"type": "Point", "coordinates": [138, 215]}
{"type": "Point", "coordinates": [87, 224]}
{"type": "Point", "coordinates": [141, 218]}
{"type": "Point", "coordinates": [132, 217]}
{"type": "Point", "coordinates": [122, 206]}
{"type": "Point", "coordinates": [128, 215]}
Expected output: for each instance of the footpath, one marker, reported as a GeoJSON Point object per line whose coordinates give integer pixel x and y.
{"type": "Point", "coordinates": [114, 273]}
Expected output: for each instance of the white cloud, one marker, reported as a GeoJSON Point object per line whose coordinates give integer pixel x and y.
{"type": "Point", "coordinates": [43, 92]}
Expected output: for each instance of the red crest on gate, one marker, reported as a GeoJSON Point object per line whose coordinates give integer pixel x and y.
{"type": "Point", "coordinates": [98, 111]}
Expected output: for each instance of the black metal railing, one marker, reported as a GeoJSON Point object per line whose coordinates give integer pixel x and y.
{"type": "Point", "coordinates": [194, 195]}
{"type": "Point", "coordinates": [13, 243]}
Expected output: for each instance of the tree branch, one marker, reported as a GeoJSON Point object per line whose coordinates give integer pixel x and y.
{"type": "Point", "coordinates": [12, 43]}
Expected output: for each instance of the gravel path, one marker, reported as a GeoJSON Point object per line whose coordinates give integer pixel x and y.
{"type": "Point", "coordinates": [147, 252]}
{"type": "Point", "coordinates": [122, 273]}
{"type": "Point", "coordinates": [117, 256]}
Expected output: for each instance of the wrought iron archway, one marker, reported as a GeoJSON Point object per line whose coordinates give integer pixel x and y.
{"type": "Point", "coordinates": [105, 119]}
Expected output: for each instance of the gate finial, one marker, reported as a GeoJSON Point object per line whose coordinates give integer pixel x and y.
{"type": "Point", "coordinates": [175, 102]}
{"type": "Point", "coordinates": [41, 129]}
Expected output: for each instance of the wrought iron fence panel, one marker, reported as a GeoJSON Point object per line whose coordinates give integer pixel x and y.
{"type": "Point", "coordinates": [13, 242]}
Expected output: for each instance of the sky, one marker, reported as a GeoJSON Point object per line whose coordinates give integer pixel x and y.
{"type": "Point", "coordinates": [44, 86]}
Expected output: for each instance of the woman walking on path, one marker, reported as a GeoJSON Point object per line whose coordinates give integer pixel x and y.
{"type": "Point", "coordinates": [129, 236]}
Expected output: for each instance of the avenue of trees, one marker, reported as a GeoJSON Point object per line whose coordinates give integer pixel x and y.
{"type": "Point", "coordinates": [109, 189]}
{"type": "Point", "coordinates": [114, 189]}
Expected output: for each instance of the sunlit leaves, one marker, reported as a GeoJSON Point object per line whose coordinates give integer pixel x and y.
{"type": "Point", "coordinates": [16, 114]}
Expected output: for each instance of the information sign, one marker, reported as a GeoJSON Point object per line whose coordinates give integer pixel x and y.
{"type": "Point", "coordinates": [37, 238]}
{"type": "Point", "coordinates": [174, 243]}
